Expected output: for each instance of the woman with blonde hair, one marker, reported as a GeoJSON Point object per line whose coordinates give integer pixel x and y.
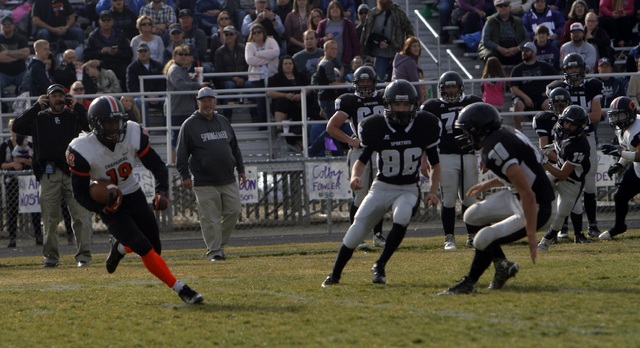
{"type": "Point", "coordinates": [261, 53]}
{"type": "Point", "coordinates": [577, 14]}
{"type": "Point", "coordinates": [405, 63]}
{"type": "Point", "coordinates": [133, 114]}
{"type": "Point", "coordinates": [156, 46]}
{"type": "Point", "coordinates": [315, 17]}
{"type": "Point", "coordinates": [179, 79]}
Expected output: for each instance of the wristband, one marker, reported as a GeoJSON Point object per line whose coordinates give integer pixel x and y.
{"type": "Point", "coordinates": [628, 155]}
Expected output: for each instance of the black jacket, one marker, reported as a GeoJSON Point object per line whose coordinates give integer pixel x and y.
{"type": "Point", "coordinates": [136, 69]}
{"type": "Point", "coordinates": [51, 134]}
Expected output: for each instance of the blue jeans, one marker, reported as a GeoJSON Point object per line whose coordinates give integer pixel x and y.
{"type": "Point", "coordinates": [259, 114]}
{"type": "Point", "coordinates": [383, 66]}
{"type": "Point", "coordinates": [445, 8]}
{"type": "Point", "coordinates": [74, 39]}
{"type": "Point", "coordinates": [7, 80]}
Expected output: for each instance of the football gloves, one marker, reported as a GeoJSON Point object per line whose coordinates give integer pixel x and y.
{"type": "Point", "coordinates": [160, 201]}
{"type": "Point", "coordinates": [114, 202]}
{"type": "Point", "coordinates": [613, 169]}
{"type": "Point", "coordinates": [611, 150]}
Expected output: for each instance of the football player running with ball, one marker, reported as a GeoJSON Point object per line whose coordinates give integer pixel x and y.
{"type": "Point", "coordinates": [508, 215]}
{"type": "Point", "coordinates": [623, 118]}
{"type": "Point", "coordinates": [109, 152]}
{"type": "Point", "coordinates": [403, 138]}
{"type": "Point", "coordinates": [353, 108]}
{"type": "Point", "coordinates": [459, 168]}
{"type": "Point", "coordinates": [567, 175]}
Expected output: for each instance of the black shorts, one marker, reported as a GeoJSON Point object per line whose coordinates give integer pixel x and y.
{"type": "Point", "coordinates": [538, 101]}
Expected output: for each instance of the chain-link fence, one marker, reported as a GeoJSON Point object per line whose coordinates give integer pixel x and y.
{"type": "Point", "coordinates": [299, 193]}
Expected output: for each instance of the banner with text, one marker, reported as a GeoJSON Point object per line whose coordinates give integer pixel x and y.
{"type": "Point", "coordinates": [146, 181]}
{"type": "Point", "coordinates": [249, 191]}
{"type": "Point", "coordinates": [328, 180]}
{"type": "Point", "coordinates": [29, 194]}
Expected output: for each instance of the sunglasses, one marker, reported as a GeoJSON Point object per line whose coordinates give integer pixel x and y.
{"type": "Point", "coordinates": [363, 12]}
{"type": "Point", "coordinates": [223, 18]}
{"type": "Point", "coordinates": [229, 34]}
{"type": "Point", "coordinates": [143, 51]}
{"type": "Point", "coordinates": [256, 32]}
{"type": "Point", "coordinates": [145, 24]}
{"type": "Point", "coordinates": [503, 5]}
{"type": "Point", "coordinates": [78, 89]}
{"type": "Point", "coordinates": [184, 54]}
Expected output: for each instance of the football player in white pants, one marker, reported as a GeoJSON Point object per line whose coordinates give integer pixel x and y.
{"type": "Point", "coordinates": [509, 215]}
{"type": "Point", "coordinates": [401, 137]}
{"type": "Point", "coordinates": [623, 118]}
{"type": "Point", "coordinates": [459, 168]}
{"type": "Point", "coordinates": [567, 175]}
{"type": "Point", "coordinates": [353, 108]}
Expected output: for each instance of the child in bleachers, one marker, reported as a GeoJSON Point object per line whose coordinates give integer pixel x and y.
{"type": "Point", "coordinates": [493, 92]}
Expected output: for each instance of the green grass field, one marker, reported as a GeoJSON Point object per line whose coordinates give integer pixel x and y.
{"type": "Point", "coordinates": [575, 296]}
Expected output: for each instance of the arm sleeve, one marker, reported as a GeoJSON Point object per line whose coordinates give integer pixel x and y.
{"type": "Point", "coordinates": [80, 180]}
{"type": "Point", "coordinates": [22, 124]}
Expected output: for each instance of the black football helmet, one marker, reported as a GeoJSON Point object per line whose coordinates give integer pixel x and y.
{"type": "Point", "coordinates": [400, 91]}
{"type": "Point", "coordinates": [559, 99]}
{"type": "Point", "coordinates": [106, 108]}
{"type": "Point", "coordinates": [364, 73]}
{"type": "Point", "coordinates": [476, 121]}
{"type": "Point", "coordinates": [573, 114]}
{"type": "Point", "coordinates": [622, 113]}
{"type": "Point", "coordinates": [571, 60]}
{"type": "Point", "coordinates": [450, 78]}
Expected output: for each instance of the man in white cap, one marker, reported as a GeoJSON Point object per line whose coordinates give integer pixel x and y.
{"type": "Point", "coordinates": [580, 46]}
{"type": "Point", "coordinates": [503, 35]}
{"type": "Point", "coordinates": [530, 95]}
{"type": "Point", "coordinates": [207, 156]}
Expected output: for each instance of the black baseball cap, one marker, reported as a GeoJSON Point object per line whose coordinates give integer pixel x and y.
{"type": "Point", "coordinates": [56, 88]}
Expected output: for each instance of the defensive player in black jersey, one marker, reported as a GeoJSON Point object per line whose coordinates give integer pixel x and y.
{"type": "Point", "coordinates": [109, 153]}
{"type": "Point", "coordinates": [403, 137]}
{"type": "Point", "coordinates": [623, 118]}
{"type": "Point", "coordinates": [353, 108]}
{"type": "Point", "coordinates": [459, 168]}
{"type": "Point", "coordinates": [567, 175]}
{"type": "Point", "coordinates": [507, 215]}
{"type": "Point", "coordinates": [587, 94]}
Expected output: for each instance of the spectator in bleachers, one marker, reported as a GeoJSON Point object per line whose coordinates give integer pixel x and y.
{"type": "Point", "coordinates": [286, 104]}
{"type": "Point", "coordinates": [363, 11]}
{"type": "Point", "coordinates": [195, 38]}
{"type": "Point", "coordinates": [66, 72]}
{"type": "Point", "coordinates": [133, 113]}
{"type": "Point", "coordinates": [110, 46]}
{"type": "Point", "coordinates": [271, 22]}
{"type": "Point", "coordinates": [530, 95]}
{"type": "Point", "coordinates": [565, 6]}
{"type": "Point", "coordinates": [341, 30]}
{"type": "Point", "coordinates": [176, 38]}
{"type": "Point", "coordinates": [542, 14]}
{"type": "Point", "coordinates": [307, 59]}
{"type": "Point", "coordinates": [580, 46]}
{"type": "Point", "coordinates": [124, 16]}
{"type": "Point", "coordinates": [78, 88]}
{"type": "Point", "coordinates": [618, 18]}
{"type": "Point", "coordinates": [503, 35]}
{"type": "Point", "coordinates": [295, 24]}
{"type": "Point", "coordinates": [469, 16]}
{"type": "Point", "coordinates": [597, 36]}
{"type": "Point", "coordinates": [207, 12]}
{"type": "Point", "coordinates": [162, 15]}
{"type": "Point", "coordinates": [55, 22]}
{"type": "Point", "coordinates": [612, 87]}
{"type": "Point", "coordinates": [179, 79]}
{"type": "Point", "coordinates": [632, 59]}
{"type": "Point", "coordinates": [145, 66]}
{"type": "Point", "coordinates": [314, 19]}
{"type": "Point", "coordinates": [153, 42]}
{"type": "Point", "coordinates": [281, 8]}
{"type": "Point", "coordinates": [230, 58]}
{"type": "Point", "coordinates": [218, 38]}
{"type": "Point", "coordinates": [386, 29]}
{"type": "Point", "coordinates": [39, 79]}
{"type": "Point", "coordinates": [348, 6]}
{"type": "Point", "coordinates": [15, 51]}
{"type": "Point", "coordinates": [101, 80]}
{"type": "Point", "coordinates": [405, 63]}
{"type": "Point", "coordinates": [547, 52]}
{"type": "Point", "coordinates": [493, 92]}
{"type": "Point", "coordinates": [633, 90]}
{"type": "Point", "coordinates": [261, 54]}
{"type": "Point", "coordinates": [133, 5]}
{"type": "Point", "coordinates": [577, 14]}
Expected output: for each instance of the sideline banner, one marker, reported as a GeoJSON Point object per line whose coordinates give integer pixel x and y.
{"type": "Point", "coordinates": [249, 191]}
{"type": "Point", "coordinates": [328, 180]}
{"type": "Point", "coordinates": [29, 194]}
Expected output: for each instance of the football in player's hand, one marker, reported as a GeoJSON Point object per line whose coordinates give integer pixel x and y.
{"type": "Point", "coordinates": [100, 190]}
